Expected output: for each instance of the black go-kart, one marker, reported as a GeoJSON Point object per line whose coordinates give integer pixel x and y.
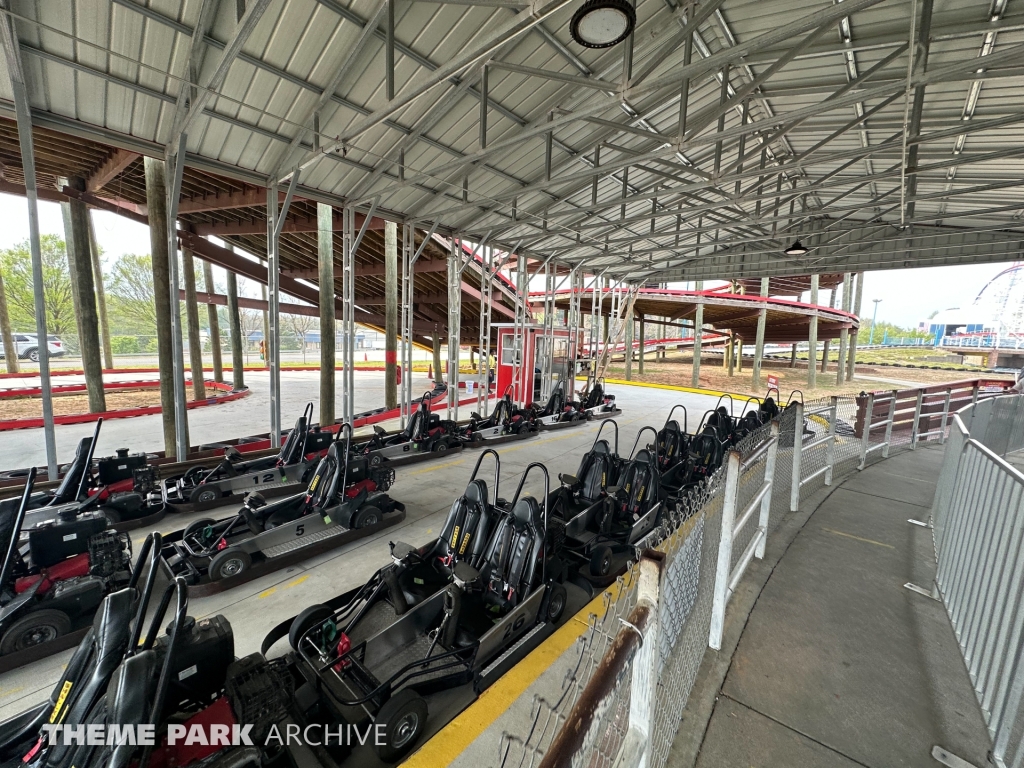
{"type": "Point", "coordinates": [426, 435]}
{"type": "Point", "coordinates": [407, 657]}
{"type": "Point", "coordinates": [346, 499]}
{"type": "Point", "coordinates": [602, 525]}
{"type": "Point", "coordinates": [595, 400]}
{"type": "Point", "coordinates": [205, 487]}
{"type": "Point", "coordinates": [559, 411]}
{"type": "Point", "coordinates": [55, 575]}
{"type": "Point", "coordinates": [672, 446]}
{"type": "Point", "coordinates": [505, 424]}
{"type": "Point", "coordinates": [188, 677]}
{"type": "Point", "coordinates": [120, 487]}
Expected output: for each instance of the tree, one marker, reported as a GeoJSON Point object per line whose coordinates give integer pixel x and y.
{"type": "Point", "coordinates": [16, 264]}
{"type": "Point", "coordinates": [132, 302]}
{"type": "Point", "coordinates": [251, 321]}
{"type": "Point", "coordinates": [300, 325]}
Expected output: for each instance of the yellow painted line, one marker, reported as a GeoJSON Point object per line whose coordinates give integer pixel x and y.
{"type": "Point", "coordinates": [289, 585]}
{"type": "Point", "coordinates": [4, 692]}
{"type": "Point", "coordinates": [858, 538]}
{"type": "Point", "coordinates": [296, 582]}
{"type": "Point", "coordinates": [675, 388]}
{"type": "Point", "coordinates": [433, 467]}
{"type": "Point", "coordinates": [266, 593]}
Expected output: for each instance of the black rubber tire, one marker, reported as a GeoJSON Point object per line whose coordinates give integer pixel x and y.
{"type": "Point", "coordinates": [229, 563]}
{"type": "Point", "coordinates": [33, 355]}
{"type": "Point", "coordinates": [112, 515]}
{"type": "Point", "coordinates": [375, 460]}
{"type": "Point", "coordinates": [441, 447]}
{"type": "Point", "coordinates": [310, 617]}
{"type": "Point", "coordinates": [34, 628]}
{"type": "Point", "coordinates": [585, 585]}
{"type": "Point", "coordinates": [205, 495]}
{"type": "Point", "coordinates": [404, 717]}
{"type": "Point", "coordinates": [555, 606]}
{"type": "Point", "coordinates": [368, 515]}
{"type": "Point", "coordinates": [601, 561]}
{"type": "Point", "coordinates": [197, 525]}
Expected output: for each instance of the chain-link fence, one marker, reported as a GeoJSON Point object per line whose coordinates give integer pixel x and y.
{"type": "Point", "coordinates": [602, 716]}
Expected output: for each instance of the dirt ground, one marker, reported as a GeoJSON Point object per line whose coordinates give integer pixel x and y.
{"type": "Point", "coordinates": [63, 405]}
{"type": "Point", "coordinates": [678, 370]}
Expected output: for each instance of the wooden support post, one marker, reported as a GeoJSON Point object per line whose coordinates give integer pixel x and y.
{"type": "Point", "coordinates": [80, 253]}
{"type": "Point", "coordinates": [325, 262]}
{"type": "Point", "coordinates": [390, 314]}
{"type": "Point", "coordinates": [195, 341]}
{"type": "Point", "coordinates": [101, 295]}
{"type": "Point", "coordinates": [235, 328]}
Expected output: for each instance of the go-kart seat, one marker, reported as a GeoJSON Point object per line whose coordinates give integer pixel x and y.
{"type": "Point", "coordinates": [512, 556]}
{"type": "Point", "coordinates": [291, 450]}
{"type": "Point", "coordinates": [92, 666]}
{"type": "Point", "coordinates": [68, 489]}
{"type": "Point", "coordinates": [556, 402]}
{"type": "Point", "coordinates": [594, 398]}
{"type": "Point", "coordinates": [670, 444]}
{"type": "Point", "coordinates": [752, 421]}
{"type": "Point", "coordinates": [322, 488]}
{"type": "Point", "coordinates": [639, 487]}
{"type": "Point", "coordinates": [465, 532]}
{"type": "Point", "coordinates": [769, 409]}
{"type": "Point", "coordinates": [706, 453]}
{"type": "Point", "coordinates": [594, 473]}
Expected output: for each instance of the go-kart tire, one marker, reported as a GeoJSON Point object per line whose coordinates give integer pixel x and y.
{"type": "Point", "coordinates": [601, 561]}
{"type": "Point", "coordinates": [441, 447]}
{"type": "Point", "coordinates": [369, 515]}
{"type": "Point", "coordinates": [205, 495]}
{"type": "Point", "coordinates": [585, 585]}
{"type": "Point", "coordinates": [310, 617]}
{"type": "Point", "coordinates": [34, 628]}
{"type": "Point", "coordinates": [555, 605]}
{"type": "Point", "coordinates": [375, 460]}
{"type": "Point", "coordinates": [403, 717]}
{"type": "Point", "coordinates": [197, 525]}
{"type": "Point", "coordinates": [113, 518]}
{"type": "Point", "coordinates": [229, 563]}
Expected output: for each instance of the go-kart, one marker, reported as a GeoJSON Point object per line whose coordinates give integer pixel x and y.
{"type": "Point", "coordinates": [596, 402]}
{"type": "Point", "coordinates": [600, 536]}
{"type": "Point", "coordinates": [121, 488]}
{"type": "Point", "coordinates": [187, 677]}
{"type": "Point", "coordinates": [672, 446]}
{"type": "Point", "coordinates": [506, 423]}
{"type": "Point", "coordinates": [203, 487]}
{"type": "Point", "coordinates": [377, 656]}
{"type": "Point", "coordinates": [704, 456]}
{"type": "Point", "coordinates": [54, 577]}
{"type": "Point", "coordinates": [559, 411]}
{"type": "Point", "coordinates": [425, 434]}
{"type": "Point", "coordinates": [346, 499]}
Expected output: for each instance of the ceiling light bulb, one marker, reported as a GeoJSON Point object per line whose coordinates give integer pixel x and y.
{"type": "Point", "coordinates": [602, 23]}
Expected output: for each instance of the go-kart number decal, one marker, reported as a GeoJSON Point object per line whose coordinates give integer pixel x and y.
{"type": "Point", "coordinates": [267, 477]}
{"type": "Point", "coordinates": [300, 529]}
{"type": "Point", "coordinates": [515, 626]}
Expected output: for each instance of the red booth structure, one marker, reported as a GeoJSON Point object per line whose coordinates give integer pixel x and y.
{"type": "Point", "coordinates": [535, 363]}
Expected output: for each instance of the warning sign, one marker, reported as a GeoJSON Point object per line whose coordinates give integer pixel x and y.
{"type": "Point", "coordinates": [773, 381]}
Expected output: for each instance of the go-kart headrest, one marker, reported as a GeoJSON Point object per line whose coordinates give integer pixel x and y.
{"type": "Point", "coordinates": [528, 512]}
{"type": "Point", "coordinates": [723, 412]}
{"type": "Point", "coordinates": [643, 456]}
{"type": "Point", "coordinates": [601, 446]}
{"type": "Point", "coordinates": [476, 492]}
{"type": "Point", "coordinates": [673, 426]}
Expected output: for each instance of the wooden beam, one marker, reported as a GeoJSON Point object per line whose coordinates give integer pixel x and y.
{"type": "Point", "coordinates": [248, 198]}
{"type": "Point", "coordinates": [259, 226]}
{"type": "Point", "coordinates": [110, 169]}
{"type": "Point", "coordinates": [219, 298]}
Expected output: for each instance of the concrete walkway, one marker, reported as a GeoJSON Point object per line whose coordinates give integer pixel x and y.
{"type": "Point", "coordinates": [838, 665]}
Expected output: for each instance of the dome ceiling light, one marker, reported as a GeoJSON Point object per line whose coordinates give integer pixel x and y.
{"type": "Point", "coordinates": [796, 249]}
{"type": "Point", "coordinates": [602, 23]}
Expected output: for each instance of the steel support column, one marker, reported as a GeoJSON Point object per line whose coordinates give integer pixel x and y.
{"type": "Point", "coordinates": [852, 357]}
{"type": "Point", "coordinates": [348, 295]}
{"type": "Point", "coordinates": [235, 326]}
{"type": "Point", "coordinates": [698, 336]}
{"type": "Point", "coordinates": [195, 343]}
{"type": "Point", "coordinates": [390, 314]}
{"type": "Point", "coordinates": [762, 319]}
{"type": "Point", "coordinates": [275, 223]}
{"type": "Point", "coordinates": [844, 334]}
{"type": "Point", "coordinates": [812, 338]}
{"type": "Point", "coordinates": [328, 336]}
{"type": "Point", "coordinates": [454, 325]}
{"type": "Point", "coordinates": [176, 165]}
{"type": "Point", "coordinates": [9, 41]}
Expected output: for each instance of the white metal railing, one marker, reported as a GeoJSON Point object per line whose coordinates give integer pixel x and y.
{"type": "Point", "coordinates": [869, 426]}
{"type": "Point", "coordinates": [987, 341]}
{"type": "Point", "coordinates": [735, 520]}
{"type": "Point", "coordinates": [978, 533]}
{"type": "Point", "coordinates": [828, 441]}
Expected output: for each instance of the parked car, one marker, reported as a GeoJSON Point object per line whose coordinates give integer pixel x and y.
{"type": "Point", "coordinates": [27, 345]}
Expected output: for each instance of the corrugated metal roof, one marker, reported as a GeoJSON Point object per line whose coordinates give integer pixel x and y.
{"type": "Point", "coordinates": [816, 91]}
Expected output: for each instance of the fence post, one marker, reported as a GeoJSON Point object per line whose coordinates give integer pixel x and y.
{"type": "Point", "coordinates": [865, 438]}
{"type": "Point", "coordinates": [830, 446]}
{"type": "Point", "coordinates": [724, 569]}
{"type": "Point", "coordinates": [974, 393]}
{"type": "Point", "coordinates": [917, 420]}
{"type": "Point", "coordinates": [888, 425]}
{"type": "Point", "coordinates": [945, 417]}
{"type": "Point", "coordinates": [798, 450]}
{"type": "Point", "coordinates": [769, 477]}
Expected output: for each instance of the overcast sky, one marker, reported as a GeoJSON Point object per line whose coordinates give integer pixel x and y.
{"type": "Point", "coordinates": [908, 295]}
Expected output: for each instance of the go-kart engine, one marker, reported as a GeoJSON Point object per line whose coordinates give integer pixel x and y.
{"type": "Point", "coordinates": [260, 692]}
{"type": "Point", "coordinates": [110, 555]}
{"type": "Point", "coordinates": [383, 477]}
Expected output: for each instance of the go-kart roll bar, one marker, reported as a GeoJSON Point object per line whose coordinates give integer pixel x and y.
{"type": "Point", "coordinates": [685, 417]}
{"type": "Point", "coordinates": [778, 395]}
{"type": "Point", "coordinates": [598, 435]}
{"type": "Point", "coordinates": [88, 460]}
{"type": "Point", "coordinates": [19, 521]}
{"type": "Point", "coordinates": [754, 400]}
{"type": "Point", "coordinates": [152, 545]}
{"type": "Point", "coordinates": [497, 470]}
{"type": "Point", "coordinates": [703, 421]}
{"type": "Point", "coordinates": [732, 405]}
{"type": "Point", "coordinates": [789, 400]}
{"type": "Point", "coordinates": [180, 590]}
{"type": "Point", "coordinates": [637, 442]}
{"type": "Point", "coordinates": [347, 429]}
{"type": "Point", "coordinates": [547, 493]}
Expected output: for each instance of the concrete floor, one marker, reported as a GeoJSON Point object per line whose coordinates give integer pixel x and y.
{"type": "Point", "coordinates": [838, 664]}
{"type": "Point", "coordinates": [238, 418]}
{"type": "Point", "coordinates": [427, 490]}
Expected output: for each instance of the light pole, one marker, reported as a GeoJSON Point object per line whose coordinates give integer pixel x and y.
{"type": "Point", "coordinates": [874, 317]}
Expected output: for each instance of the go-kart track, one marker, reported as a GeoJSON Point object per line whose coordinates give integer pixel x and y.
{"type": "Point", "coordinates": [427, 491]}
